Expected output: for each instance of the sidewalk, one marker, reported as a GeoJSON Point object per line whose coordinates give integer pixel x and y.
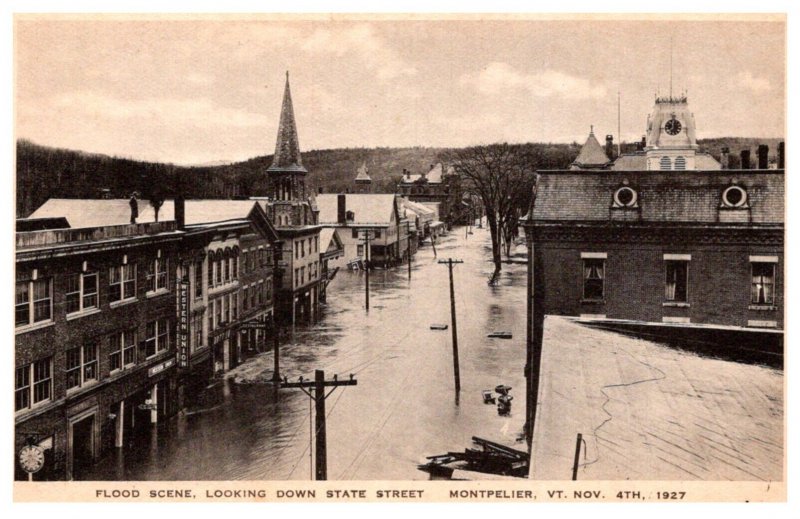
{"type": "Point", "coordinates": [648, 412]}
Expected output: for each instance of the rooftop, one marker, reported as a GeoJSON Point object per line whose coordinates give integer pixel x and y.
{"type": "Point", "coordinates": [669, 196]}
{"type": "Point", "coordinates": [366, 208]}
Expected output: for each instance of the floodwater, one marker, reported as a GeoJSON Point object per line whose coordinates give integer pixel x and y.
{"type": "Point", "coordinates": [404, 406]}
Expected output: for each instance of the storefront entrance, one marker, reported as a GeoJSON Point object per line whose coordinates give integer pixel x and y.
{"type": "Point", "coordinates": [82, 442]}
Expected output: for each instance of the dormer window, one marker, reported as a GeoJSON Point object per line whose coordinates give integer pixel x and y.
{"type": "Point", "coordinates": [734, 196]}
{"type": "Point", "coordinates": [625, 197]}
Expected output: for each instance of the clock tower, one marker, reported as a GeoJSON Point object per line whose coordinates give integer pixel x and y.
{"type": "Point", "coordinates": [671, 138]}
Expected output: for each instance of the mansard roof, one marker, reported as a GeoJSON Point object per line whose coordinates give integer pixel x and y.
{"type": "Point", "coordinates": [673, 197]}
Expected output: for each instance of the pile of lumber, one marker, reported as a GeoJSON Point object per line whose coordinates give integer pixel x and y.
{"type": "Point", "coordinates": [488, 457]}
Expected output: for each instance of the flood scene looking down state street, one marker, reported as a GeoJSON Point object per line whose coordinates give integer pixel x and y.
{"type": "Point", "coordinates": [403, 408]}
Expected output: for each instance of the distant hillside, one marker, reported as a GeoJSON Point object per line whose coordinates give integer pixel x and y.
{"type": "Point", "coordinates": [44, 172]}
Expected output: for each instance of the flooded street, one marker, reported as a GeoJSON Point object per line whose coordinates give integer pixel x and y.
{"type": "Point", "coordinates": [403, 407]}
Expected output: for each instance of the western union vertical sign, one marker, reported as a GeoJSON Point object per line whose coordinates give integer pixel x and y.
{"type": "Point", "coordinates": [183, 324]}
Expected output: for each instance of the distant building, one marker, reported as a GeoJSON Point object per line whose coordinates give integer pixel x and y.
{"type": "Point", "coordinates": [440, 188]}
{"type": "Point", "coordinates": [354, 214]}
{"type": "Point", "coordinates": [363, 181]}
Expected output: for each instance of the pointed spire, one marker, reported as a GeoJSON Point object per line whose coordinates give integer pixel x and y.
{"type": "Point", "coordinates": [287, 148]}
{"type": "Point", "coordinates": [363, 173]}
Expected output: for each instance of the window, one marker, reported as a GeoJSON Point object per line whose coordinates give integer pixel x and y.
{"type": "Point", "coordinates": [680, 163]}
{"type": "Point", "coordinates": [377, 234]}
{"type": "Point", "coordinates": [218, 265]}
{"type": "Point", "coordinates": [235, 267]}
{"type": "Point", "coordinates": [296, 250]}
{"type": "Point", "coordinates": [296, 277]}
{"type": "Point", "coordinates": [226, 308]}
{"type": "Point", "coordinates": [197, 331]}
{"type": "Point", "coordinates": [763, 286]}
{"type": "Point", "coordinates": [157, 275]}
{"type": "Point", "coordinates": [234, 306]}
{"type": "Point", "coordinates": [302, 248]}
{"type": "Point", "coordinates": [26, 394]}
{"type": "Point", "coordinates": [211, 262]}
{"type": "Point", "coordinates": [81, 292]}
{"type": "Point", "coordinates": [665, 163]}
{"type": "Point", "coordinates": [625, 197]}
{"type": "Point", "coordinates": [677, 281]}
{"type": "Point", "coordinates": [252, 297]}
{"type": "Point", "coordinates": [360, 251]}
{"type": "Point", "coordinates": [260, 291]}
{"type": "Point", "coordinates": [734, 196]}
{"type": "Point", "coordinates": [33, 302]}
{"type": "Point", "coordinates": [122, 282]}
{"type": "Point", "coordinates": [302, 275]}
{"type": "Point", "coordinates": [198, 279]}
{"type": "Point", "coordinates": [593, 278]}
{"type": "Point", "coordinates": [268, 291]}
{"type": "Point", "coordinates": [218, 312]}
{"type": "Point", "coordinates": [355, 233]}
{"type": "Point", "coordinates": [81, 366]}
{"type": "Point", "coordinates": [316, 244]}
{"type": "Point", "coordinates": [211, 316]}
{"type": "Point", "coordinates": [246, 299]}
{"type": "Point", "coordinates": [157, 337]}
{"type": "Point", "coordinates": [122, 349]}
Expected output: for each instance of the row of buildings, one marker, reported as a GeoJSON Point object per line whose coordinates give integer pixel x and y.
{"type": "Point", "coordinates": [122, 310]}
{"type": "Point", "coordinates": [663, 242]}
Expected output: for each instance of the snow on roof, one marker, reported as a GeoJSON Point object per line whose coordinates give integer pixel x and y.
{"type": "Point", "coordinates": [99, 213]}
{"type": "Point", "coordinates": [366, 208]}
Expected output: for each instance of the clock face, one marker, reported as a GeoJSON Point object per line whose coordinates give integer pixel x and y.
{"type": "Point", "coordinates": [673, 126]}
{"type": "Point", "coordinates": [31, 458]}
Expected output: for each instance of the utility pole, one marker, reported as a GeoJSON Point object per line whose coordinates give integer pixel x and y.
{"type": "Point", "coordinates": [408, 234]}
{"type": "Point", "coordinates": [433, 244]}
{"type": "Point", "coordinates": [276, 376]}
{"type": "Point", "coordinates": [367, 237]}
{"type": "Point", "coordinates": [316, 391]}
{"type": "Point", "coordinates": [450, 262]}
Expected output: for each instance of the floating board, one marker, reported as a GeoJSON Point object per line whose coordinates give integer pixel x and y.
{"type": "Point", "coordinates": [500, 335]}
{"type": "Point", "coordinates": [436, 326]}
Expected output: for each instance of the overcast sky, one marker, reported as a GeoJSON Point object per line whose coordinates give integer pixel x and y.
{"type": "Point", "coordinates": [194, 91]}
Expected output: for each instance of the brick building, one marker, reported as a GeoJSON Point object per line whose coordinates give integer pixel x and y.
{"type": "Point", "coordinates": [190, 282]}
{"type": "Point", "coordinates": [95, 326]}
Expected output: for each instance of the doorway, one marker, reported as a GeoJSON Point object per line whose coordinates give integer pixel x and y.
{"type": "Point", "coordinates": [82, 434]}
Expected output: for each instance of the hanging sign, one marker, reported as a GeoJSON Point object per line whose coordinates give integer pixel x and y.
{"type": "Point", "coordinates": [183, 324]}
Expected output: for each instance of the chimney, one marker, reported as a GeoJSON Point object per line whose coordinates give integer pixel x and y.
{"type": "Point", "coordinates": [781, 155]}
{"type": "Point", "coordinates": [180, 212]}
{"type": "Point", "coordinates": [745, 159]}
{"type": "Point", "coordinates": [644, 141]}
{"type": "Point", "coordinates": [341, 209]}
{"type": "Point", "coordinates": [724, 157]}
{"type": "Point", "coordinates": [610, 146]}
{"type": "Point", "coordinates": [763, 156]}
{"type": "Point", "coordinates": [134, 208]}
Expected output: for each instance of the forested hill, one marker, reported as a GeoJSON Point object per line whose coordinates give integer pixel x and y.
{"type": "Point", "coordinates": [43, 172]}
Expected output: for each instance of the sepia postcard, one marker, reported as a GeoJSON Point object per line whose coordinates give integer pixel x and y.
{"type": "Point", "coordinates": [383, 258]}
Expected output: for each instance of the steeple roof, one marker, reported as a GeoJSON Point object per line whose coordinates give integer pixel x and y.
{"type": "Point", "coordinates": [592, 154]}
{"type": "Point", "coordinates": [287, 148]}
{"type": "Point", "coordinates": [363, 174]}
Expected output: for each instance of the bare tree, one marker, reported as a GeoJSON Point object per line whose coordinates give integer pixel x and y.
{"type": "Point", "coordinates": [501, 175]}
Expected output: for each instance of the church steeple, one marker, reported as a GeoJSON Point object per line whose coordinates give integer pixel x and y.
{"type": "Point", "coordinates": [287, 148]}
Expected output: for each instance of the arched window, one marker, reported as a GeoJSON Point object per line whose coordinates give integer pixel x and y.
{"type": "Point", "coordinates": [211, 263]}
{"type": "Point", "coordinates": [680, 163]}
{"type": "Point", "coordinates": [666, 163]}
